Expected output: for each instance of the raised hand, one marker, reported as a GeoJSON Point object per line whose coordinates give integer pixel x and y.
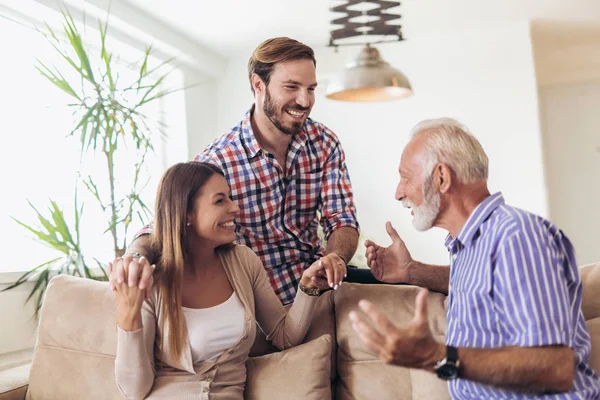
{"type": "Point", "coordinates": [135, 271]}
{"type": "Point", "coordinates": [412, 346]}
{"type": "Point", "coordinates": [389, 264]}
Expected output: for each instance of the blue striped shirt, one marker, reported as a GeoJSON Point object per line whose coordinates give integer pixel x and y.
{"type": "Point", "coordinates": [514, 282]}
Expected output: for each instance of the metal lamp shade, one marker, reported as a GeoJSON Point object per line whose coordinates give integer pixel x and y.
{"type": "Point", "coordinates": [369, 78]}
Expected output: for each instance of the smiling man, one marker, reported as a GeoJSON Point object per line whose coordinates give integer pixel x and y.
{"type": "Point", "coordinates": [515, 325]}
{"type": "Point", "coordinates": [287, 173]}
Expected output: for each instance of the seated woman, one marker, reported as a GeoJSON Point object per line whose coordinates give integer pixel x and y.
{"type": "Point", "coordinates": [191, 336]}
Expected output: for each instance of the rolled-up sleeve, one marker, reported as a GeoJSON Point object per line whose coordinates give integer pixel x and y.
{"type": "Point", "coordinates": [337, 200]}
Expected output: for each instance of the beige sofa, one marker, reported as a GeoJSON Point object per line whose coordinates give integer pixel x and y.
{"type": "Point", "coordinates": [74, 355]}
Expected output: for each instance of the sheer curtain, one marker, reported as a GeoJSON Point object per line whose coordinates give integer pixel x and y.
{"type": "Point", "coordinates": [38, 161]}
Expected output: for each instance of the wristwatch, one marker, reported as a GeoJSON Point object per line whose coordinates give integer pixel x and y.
{"type": "Point", "coordinates": [314, 291]}
{"type": "Point", "coordinates": [448, 368]}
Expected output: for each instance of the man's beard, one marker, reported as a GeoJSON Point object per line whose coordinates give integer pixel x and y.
{"type": "Point", "coordinates": [426, 213]}
{"type": "Point", "coordinates": [270, 110]}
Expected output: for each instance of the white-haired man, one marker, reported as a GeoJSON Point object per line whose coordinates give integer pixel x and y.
{"type": "Point", "coordinates": [515, 326]}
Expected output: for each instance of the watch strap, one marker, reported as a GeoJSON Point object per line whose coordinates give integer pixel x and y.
{"type": "Point", "coordinates": [315, 291]}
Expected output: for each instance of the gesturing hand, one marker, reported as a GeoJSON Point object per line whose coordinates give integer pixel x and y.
{"type": "Point", "coordinates": [412, 346]}
{"type": "Point", "coordinates": [389, 264]}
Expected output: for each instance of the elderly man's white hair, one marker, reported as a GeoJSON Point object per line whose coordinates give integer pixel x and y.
{"type": "Point", "coordinates": [450, 142]}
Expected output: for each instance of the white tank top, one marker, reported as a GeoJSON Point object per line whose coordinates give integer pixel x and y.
{"type": "Point", "coordinates": [215, 329]}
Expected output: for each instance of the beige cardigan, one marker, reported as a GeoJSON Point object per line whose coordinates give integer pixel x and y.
{"type": "Point", "coordinates": [140, 366]}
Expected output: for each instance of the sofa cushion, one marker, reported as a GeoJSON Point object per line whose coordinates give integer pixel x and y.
{"type": "Point", "coordinates": [594, 328]}
{"type": "Point", "coordinates": [301, 372]}
{"type": "Point", "coordinates": [590, 276]}
{"type": "Point", "coordinates": [358, 368]}
{"type": "Point", "coordinates": [76, 335]}
{"type": "Point", "coordinates": [13, 382]}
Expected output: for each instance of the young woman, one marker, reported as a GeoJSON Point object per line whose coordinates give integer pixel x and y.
{"type": "Point", "coordinates": [190, 336]}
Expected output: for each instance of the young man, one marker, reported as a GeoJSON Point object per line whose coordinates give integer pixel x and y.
{"type": "Point", "coordinates": [515, 326]}
{"type": "Point", "coordinates": [287, 173]}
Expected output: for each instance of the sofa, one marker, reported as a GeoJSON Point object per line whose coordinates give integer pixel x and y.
{"type": "Point", "coordinates": [74, 353]}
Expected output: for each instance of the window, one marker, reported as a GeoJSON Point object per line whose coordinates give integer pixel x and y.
{"type": "Point", "coordinates": [38, 161]}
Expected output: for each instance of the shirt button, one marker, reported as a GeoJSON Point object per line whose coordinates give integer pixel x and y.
{"type": "Point", "coordinates": [247, 318]}
{"type": "Point", "coordinates": [205, 390]}
{"type": "Point", "coordinates": [454, 256]}
{"type": "Point", "coordinates": [209, 379]}
{"type": "Point", "coordinates": [230, 352]}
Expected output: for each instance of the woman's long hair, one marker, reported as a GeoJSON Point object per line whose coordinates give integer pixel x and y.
{"type": "Point", "coordinates": [174, 200]}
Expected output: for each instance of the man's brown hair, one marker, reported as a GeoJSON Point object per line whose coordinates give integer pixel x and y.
{"type": "Point", "coordinates": [273, 51]}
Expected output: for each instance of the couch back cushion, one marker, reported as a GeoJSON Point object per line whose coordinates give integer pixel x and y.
{"type": "Point", "coordinates": [76, 344]}
{"type": "Point", "coordinates": [590, 277]}
{"type": "Point", "coordinates": [364, 376]}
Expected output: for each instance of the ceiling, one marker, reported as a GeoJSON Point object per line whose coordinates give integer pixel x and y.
{"type": "Point", "coordinates": [230, 26]}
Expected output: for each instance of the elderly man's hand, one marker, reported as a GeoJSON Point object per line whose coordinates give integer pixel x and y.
{"type": "Point", "coordinates": [389, 264]}
{"type": "Point", "coordinates": [135, 271]}
{"type": "Point", "coordinates": [412, 346]}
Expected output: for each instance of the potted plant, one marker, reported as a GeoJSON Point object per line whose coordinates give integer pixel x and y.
{"type": "Point", "coordinates": [108, 121]}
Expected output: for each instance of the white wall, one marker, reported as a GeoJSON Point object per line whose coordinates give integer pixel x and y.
{"type": "Point", "coordinates": [571, 118]}
{"type": "Point", "coordinates": [201, 112]}
{"type": "Point", "coordinates": [485, 78]}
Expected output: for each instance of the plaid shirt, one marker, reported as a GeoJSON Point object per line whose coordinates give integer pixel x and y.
{"type": "Point", "coordinates": [278, 211]}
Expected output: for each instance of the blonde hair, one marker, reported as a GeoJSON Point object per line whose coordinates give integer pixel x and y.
{"type": "Point", "coordinates": [450, 142]}
{"type": "Point", "coordinates": [273, 51]}
{"type": "Point", "coordinates": [177, 190]}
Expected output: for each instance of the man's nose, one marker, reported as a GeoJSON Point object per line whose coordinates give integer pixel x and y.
{"type": "Point", "coordinates": [303, 99]}
{"type": "Point", "coordinates": [400, 192]}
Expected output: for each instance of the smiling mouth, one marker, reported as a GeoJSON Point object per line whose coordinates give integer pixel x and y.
{"type": "Point", "coordinates": [296, 114]}
{"type": "Point", "coordinates": [228, 224]}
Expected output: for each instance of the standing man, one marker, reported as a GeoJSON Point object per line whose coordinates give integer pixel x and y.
{"type": "Point", "coordinates": [287, 173]}
{"type": "Point", "coordinates": [515, 325]}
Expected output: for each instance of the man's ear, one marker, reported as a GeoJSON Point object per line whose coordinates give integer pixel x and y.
{"type": "Point", "coordinates": [257, 83]}
{"type": "Point", "coordinates": [442, 176]}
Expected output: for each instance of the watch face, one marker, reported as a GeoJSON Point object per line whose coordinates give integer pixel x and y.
{"type": "Point", "coordinates": [447, 371]}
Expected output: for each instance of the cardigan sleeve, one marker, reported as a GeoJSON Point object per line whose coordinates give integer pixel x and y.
{"type": "Point", "coordinates": [284, 328]}
{"type": "Point", "coordinates": [134, 362]}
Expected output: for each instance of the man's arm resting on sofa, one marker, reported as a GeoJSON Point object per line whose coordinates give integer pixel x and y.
{"type": "Point", "coordinates": [528, 369]}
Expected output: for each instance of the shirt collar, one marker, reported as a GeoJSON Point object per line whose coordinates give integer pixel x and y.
{"type": "Point", "coordinates": [479, 215]}
{"type": "Point", "coordinates": [247, 135]}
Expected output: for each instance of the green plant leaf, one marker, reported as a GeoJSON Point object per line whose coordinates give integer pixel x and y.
{"type": "Point", "coordinates": [25, 277]}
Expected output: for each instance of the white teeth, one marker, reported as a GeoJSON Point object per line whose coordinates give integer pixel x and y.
{"type": "Point", "coordinates": [295, 113]}
{"type": "Point", "coordinates": [227, 224]}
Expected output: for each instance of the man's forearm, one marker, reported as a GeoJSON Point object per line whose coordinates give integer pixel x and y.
{"type": "Point", "coordinates": [432, 277]}
{"type": "Point", "coordinates": [142, 245]}
{"type": "Point", "coordinates": [343, 242]}
{"type": "Point", "coordinates": [548, 369]}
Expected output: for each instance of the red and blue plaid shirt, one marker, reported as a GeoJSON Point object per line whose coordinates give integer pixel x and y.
{"type": "Point", "coordinates": [279, 212]}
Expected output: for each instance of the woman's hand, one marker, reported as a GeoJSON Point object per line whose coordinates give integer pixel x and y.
{"type": "Point", "coordinates": [328, 272]}
{"type": "Point", "coordinates": [128, 297]}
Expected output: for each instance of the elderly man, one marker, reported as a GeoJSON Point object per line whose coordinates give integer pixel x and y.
{"type": "Point", "coordinates": [515, 326]}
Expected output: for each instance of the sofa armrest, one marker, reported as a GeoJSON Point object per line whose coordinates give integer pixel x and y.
{"type": "Point", "coordinates": [14, 382]}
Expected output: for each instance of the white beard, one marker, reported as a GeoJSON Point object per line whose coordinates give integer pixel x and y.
{"type": "Point", "coordinates": [426, 213]}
